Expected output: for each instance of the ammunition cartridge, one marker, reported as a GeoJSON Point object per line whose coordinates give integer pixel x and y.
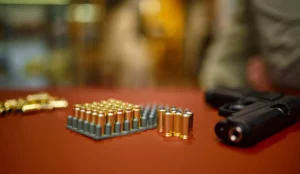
{"type": "Point", "coordinates": [168, 124]}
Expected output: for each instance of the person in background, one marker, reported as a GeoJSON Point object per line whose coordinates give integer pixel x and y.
{"type": "Point", "coordinates": [125, 60]}
{"type": "Point", "coordinates": [257, 49]}
{"type": "Point", "coordinates": [200, 18]}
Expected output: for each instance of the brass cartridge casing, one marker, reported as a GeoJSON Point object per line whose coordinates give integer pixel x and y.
{"type": "Point", "coordinates": [36, 107]}
{"type": "Point", "coordinates": [82, 113]}
{"type": "Point", "coordinates": [120, 118]}
{"type": "Point", "coordinates": [88, 114]}
{"type": "Point", "coordinates": [11, 104]}
{"type": "Point", "coordinates": [38, 97]}
{"type": "Point", "coordinates": [76, 111]}
{"type": "Point", "coordinates": [111, 118]}
{"type": "Point", "coordinates": [129, 116]}
{"type": "Point", "coordinates": [102, 120]}
{"type": "Point", "coordinates": [160, 120]}
{"type": "Point", "coordinates": [191, 120]}
{"type": "Point", "coordinates": [185, 133]}
{"type": "Point", "coordinates": [21, 103]}
{"type": "Point", "coordinates": [137, 114]}
{"type": "Point", "coordinates": [61, 103]}
{"type": "Point", "coordinates": [177, 124]}
{"type": "Point", "coordinates": [94, 116]}
{"type": "Point", "coordinates": [168, 124]}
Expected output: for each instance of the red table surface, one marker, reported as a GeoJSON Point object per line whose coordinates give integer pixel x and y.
{"type": "Point", "coordinates": [40, 142]}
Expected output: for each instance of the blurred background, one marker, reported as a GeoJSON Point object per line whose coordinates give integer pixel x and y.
{"type": "Point", "coordinates": [112, 43]}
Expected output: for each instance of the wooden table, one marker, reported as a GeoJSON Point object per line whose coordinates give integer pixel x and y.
{"type": "Point", "coordinates": [40, 143]}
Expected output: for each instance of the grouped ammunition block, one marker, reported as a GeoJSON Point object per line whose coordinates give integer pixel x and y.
{"type": "Point", "coordinates": [173, 122]}
{"type": "Point", "coordinates": [111, 118]}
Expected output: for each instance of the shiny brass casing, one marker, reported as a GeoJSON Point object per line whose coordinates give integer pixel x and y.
{"type": "Point", "coordinates": [168, 124]}
{"type": "Point", "coordinates": [160, 120]}
{"type": "Point", "coordinates": [177, 123]}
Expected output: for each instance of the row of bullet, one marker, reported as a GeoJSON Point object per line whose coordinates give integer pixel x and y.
{"type": "Point", "coordinates": [111, 116]}
{"type": "Point", "coordinates": [174, 122]}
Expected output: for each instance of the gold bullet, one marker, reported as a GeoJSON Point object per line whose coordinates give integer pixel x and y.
{"type": "Point", "coordinates": [130, 105]}
{"type": "Point", "coordinates": [38, 97]}
{"type": "Point", "coordinates": [128, 116]}
{"type": "Point", "coordinates": [88, 113]}
{"type": "Point", "coordinates": [76, 111]}
{"type": "Point", "coordinates": [173, 109]}
{"type": "Point", "coordinates": [191, 120]}
{"type": "Point", "coordinates": [185, 131]}
{"type": "Point", "coordinates": [137, 114]}
{"type": "Point", "coordinates": [94, 116]}
{"type": "Point", "coordinates": [21, 103]}
{"type": "Point", "coordinates": [116, 106]}
{"type": "Point", "coordinates": [160, 119]}
{"type": "Point", "coordinates": [111, 100]}
{"type": "Point", "coordinates": [104, 110]}
{"type": "Point", "coordinates": [111, 118]}
{"type": "Point", "coordinates": [102, 120]}
{"type": "Point", "coordinates": [36, 107]}
{"type": "Point", "coordinates": [82, 113]}
{"type": "Point", "coordinates": [2, 109]}
{"type": "Point", "coordinates": [61, 103]}
{"type": "Point", "coordinates": [168, 124]}
{"type": "Point", "coordinates": [86, 105]}
{"type": "Point", "coordinates": [177, 124]}
{"type": "Point", "coordinates": [11, 104]}
{"type": "Point", "coordinates": [95, 103]}
{"type": "Point", "coordinates": [120, 118]}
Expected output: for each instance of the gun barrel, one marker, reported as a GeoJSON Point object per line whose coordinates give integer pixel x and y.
{"type": "Point", "coordinates": [251, 127]}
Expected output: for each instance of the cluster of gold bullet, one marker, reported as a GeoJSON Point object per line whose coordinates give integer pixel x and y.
{"type": "Point", "coordinates": [173, 122]}
{"type": "Point", "coordinates": [113, 116]}
{"type": "Point", "coordinates": [32, 102]}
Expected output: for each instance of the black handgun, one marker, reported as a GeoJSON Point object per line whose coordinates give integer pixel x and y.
{"type": "Point", "coordinates": [251, 116]}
